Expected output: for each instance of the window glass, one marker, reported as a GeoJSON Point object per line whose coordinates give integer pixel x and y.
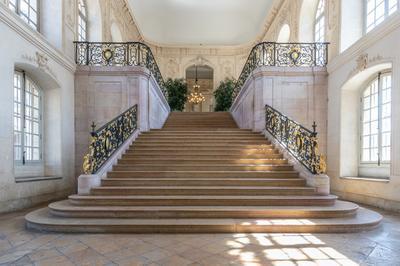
{"type": "Point", "coordinates": [319, 27]}
{"type": "Point", "coordinates": [27, 10]}
{"type": "Point", "coordinates": [376, 120]}
{"type": "Point", "coordinates": [377, 10]}
{"type": "Point", "coordinates": [27, 119]}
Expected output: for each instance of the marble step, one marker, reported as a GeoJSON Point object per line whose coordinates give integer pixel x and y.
{"type": "Point", "coordinates": [198, 167]}
{"type": "Point", "coordinates": [339, 209]}
{"type": "Point", "coordinates": [202, 200]}
{"type": "Point", "coordinates": [204, 190]}
{"type": "Point", "coordinates": [203, 133]}
{"type": "Point", "coordinates": [199, 161]}
{"type": "Point", "coordinates": [206, 147]}
{"type": "Point", "coordinates": [220, 152]}
{"type": "Point", "coordinates": [202, 129]}
{"type": "Point", "coordinates": [42, 220]}
{"type": "Point", "coordinates": [204, 137]}
{"type": "Point", "coordinates": [230, 156]}
{"type": "Point", "coordinates": [292, 182]}
{"type": "Point", "coordinates": [206, 174]}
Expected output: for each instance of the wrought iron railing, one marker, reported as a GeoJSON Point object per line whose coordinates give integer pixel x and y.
{"type": "Point", "coordinates": [282, 55]}
{"type": "Point", "coordinates": [301, 142]}
{"type": "Point", "coordinates": [119, 54]}
{"type": "Point", "coordinates": [108, 138]}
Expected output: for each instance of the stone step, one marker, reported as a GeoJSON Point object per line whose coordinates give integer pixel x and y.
{"type": "Point", "coordinates": [199, 161]}
{"type": "Point", "coordinates": [194, 129]}
{"type": "Point", "coordinates": [339, 209]}
{"type": "Point", "coordinates": [42, 220]}
{"type": "Point", "coordinates": [151, 155]}
{"type": "Point", "coordinates": [199, 167]}
{"type": "Point", "coordinates": [227, 143]}
{"type": "Point", "coordinates": [199, 146]}
{"type": "Point", "coordinates": [204, 137]}
{"type": "Point", "coordinates": [203, 174]}
{"type": "Point", "coordinates": [292, 182]}
{"type": "Point", "coordinates": [183, 151]}
{"type": "Point", "coordinates": [202, 133]}
{"type": "Point", "coordinates": [205, 190]}
{"type": "Point", "coordinates": [201, 200]}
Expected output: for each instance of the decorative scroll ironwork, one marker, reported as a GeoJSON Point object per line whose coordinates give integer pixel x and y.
{"type": "Point", "coordinates": [107, 139]}
{"type": "Point", "coordinates": [301, 142]}
{"type": "Point", "coordinates": [118, 54]}
{"type": "Point", "coordinates": [282, 55]}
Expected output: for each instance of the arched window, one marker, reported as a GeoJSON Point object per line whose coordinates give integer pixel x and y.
{"type": "Point", "coordinates": [27, 9]}
{"type": "Point", "coordinates": [319, 26]}
{"type": "Point", "coordinates": [82, 21]}
{"type": "Point", "coordinates": [27, 119]}
{"type": "Point", "coordinates": [377, 11]}
{"type": "Point", "coordinates": [376, 120]}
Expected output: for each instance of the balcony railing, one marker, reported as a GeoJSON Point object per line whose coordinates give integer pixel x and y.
{"type": "Point", "coordinates": [119, 54]}
{"type": "Point", "coordinates": [282, 55]}
{"type": "Point", "coordinates": [108, 138]}
{"type": "Point", "coordinates": [301, 142]}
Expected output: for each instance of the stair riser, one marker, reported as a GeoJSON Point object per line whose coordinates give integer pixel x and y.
{"type": "Point", "coordinates": [221, 154]}
{"type": "Point", "coordinates": [201, 162]}
{"type": "Point", "coordinates": [201, 168]}
{"type": "Point", "coordinates": [200, 192]}
{"type": "Point", "coordinates": [185, 146]}
{"type": "Point", "coordinates": [218, 146]}
{"type": "Point", "coordinates": [151, 155]}
{"type": "Point", "coordinates": [187, 214]}
{"type": "Point", "coordinates": [286, 183]}
{"type": "Point", "coordinates": [201, 202]}
{"type": "Point", "coordinates": [200, 175]}
{"type": "Point", "coordinates": [202, 137]}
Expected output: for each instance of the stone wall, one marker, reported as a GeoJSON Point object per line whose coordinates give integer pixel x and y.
{"type": "Point", "coordinates": [102, 93]}
{"type": "Point", "coordinates": [47, 60]}
{"type": "Point", "coordinates": [299, 93]}
{"type": "Point", "coordinates": [348, 75]}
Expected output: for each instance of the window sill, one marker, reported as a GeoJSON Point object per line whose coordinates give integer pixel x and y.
{"type": "Point", "coordinates": [35, 179]}
{"type": "Point", "coordinates": [369, 179]}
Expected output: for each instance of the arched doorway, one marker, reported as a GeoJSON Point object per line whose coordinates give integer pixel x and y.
{"type": "Point", "coordinates": [205, 78]}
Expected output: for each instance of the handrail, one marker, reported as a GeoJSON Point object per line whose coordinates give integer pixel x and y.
{"type": "Point", "coordinates": [119, 54]}
{"type": "Point", "coordinates": [282, 55]}
{"type": "Point", "coordinates": [108, 138]}
{"type": "Point", "coordinates": [301, 142]}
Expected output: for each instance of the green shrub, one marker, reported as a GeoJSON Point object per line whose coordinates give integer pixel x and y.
{"type": "Point", "coordinates": [177, 93]}
{"type": "Point", "coordinates": [223, 95]}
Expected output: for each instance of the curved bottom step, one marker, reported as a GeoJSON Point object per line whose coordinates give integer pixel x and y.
{"type": "Point", "coordinates": [42, 220]}
{"type": "Point", "coordinates": [66, 209]}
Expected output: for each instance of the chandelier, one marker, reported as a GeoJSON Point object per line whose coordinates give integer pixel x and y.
{"type": "Point", "coordinates": [195, 96]}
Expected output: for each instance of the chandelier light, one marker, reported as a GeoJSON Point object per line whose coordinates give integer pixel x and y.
{"type": "Point", "coordinates": [195, 96]}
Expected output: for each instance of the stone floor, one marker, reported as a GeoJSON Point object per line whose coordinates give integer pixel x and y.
{"type": "Point", "coordinates": [21, 247]}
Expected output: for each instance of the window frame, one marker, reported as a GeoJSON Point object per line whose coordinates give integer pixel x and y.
{"type": "Point", "coordinates": [84, 18]}
{"type": "Point", "coordinates": [379, 163]}
{"type": "Point", "coordinates": [23, 161]}
{"type": "Point", "coordinates": [17, 10]}
{"type": "Point", "coordinates": [385, 15]}
{"type": "Point", "coordinates": [317, 19]}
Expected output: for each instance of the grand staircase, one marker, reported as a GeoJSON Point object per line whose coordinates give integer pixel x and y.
{"type": "Point", "coordinates": [201, 173]}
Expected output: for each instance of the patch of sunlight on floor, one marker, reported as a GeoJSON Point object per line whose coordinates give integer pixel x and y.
{"type": "Point", "coordinates": [285, 250]}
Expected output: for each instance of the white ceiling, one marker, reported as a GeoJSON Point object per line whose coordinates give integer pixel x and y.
{"type": "Point", "coordinates": [195, 22]}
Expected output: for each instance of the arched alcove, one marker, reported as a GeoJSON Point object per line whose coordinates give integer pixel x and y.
{"type": "Point", "coordinates": [350, 118]}
{"type": "Point", "coordinates": [205, 76]}
{"type": "Point", "coordinates": [52, 164]}
{"type": "Point", "coordinates": [116, 34]}
{"type": "Point", "coordinates": [95, 32]}
{"type": "Point", "coordinates": [306, 20]}
{"type": "Point", "coordinates": [284, 34]}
